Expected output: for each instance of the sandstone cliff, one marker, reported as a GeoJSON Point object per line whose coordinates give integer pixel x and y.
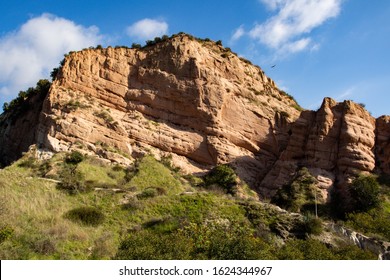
{"type": "Point", "coordinates": [192, 98]}
{"type": "Point", "coordinates": [202, 104]}
{"type": "Point", "coordinates": [336, 143]}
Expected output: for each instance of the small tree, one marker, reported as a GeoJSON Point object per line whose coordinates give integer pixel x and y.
{"type": "Point", "coordinates": [5, 106]}
{"type": "Point", "coordinates": [54, 73]}
{"type": "Point", "coordinates": [74, 158]}
{"type": "Point", "coordinates": [136, 46]}
{"type": "Point", "coordinates": [364, 192]}
{"type": "Point", "coordinates": [223, 176]}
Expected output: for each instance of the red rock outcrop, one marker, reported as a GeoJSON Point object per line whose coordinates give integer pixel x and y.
{"type": "Point", "coordinates": [382, 147]}
{"type": "Point", "coordinates": [202, 104]}
{"type": "Point", "coordinates": [336, 143]}
{"type": "Point", "coordinates": [192, 98]}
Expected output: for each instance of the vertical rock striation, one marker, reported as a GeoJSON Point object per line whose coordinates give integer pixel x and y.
{"type": "Point", "coordinates": [336, 143]}
{"type": "Point", "coordinates": [202, 104]}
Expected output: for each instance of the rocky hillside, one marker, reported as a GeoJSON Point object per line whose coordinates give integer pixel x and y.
{"type": "Point", "coordinates": [200, 103]}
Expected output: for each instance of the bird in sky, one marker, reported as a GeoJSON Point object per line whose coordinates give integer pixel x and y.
{"type": "Point", "coordinates": [273, 66]}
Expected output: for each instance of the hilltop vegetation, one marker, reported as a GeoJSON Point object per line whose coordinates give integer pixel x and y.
{"type": "Point", "coordinates": [74, 206]}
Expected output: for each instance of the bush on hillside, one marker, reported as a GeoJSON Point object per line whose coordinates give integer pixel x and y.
{"type": "Point", "coordinates": [86, 215]}
{"type": "Point", "coordinates": [312, 249]}
{"type": "Point", "coordinates": [5, 233]}
{"type": "Point", "coordinates": [364, 192]}
{"type": "Point", "coordinates": [223, 176]}
{"type": "Point", "coordinates": [74, 158]}
{"type": "Point", "coordinates": [298, 195]}
{"type": "Point", "coordinates": [71, 180]}
{"type": "Point", "coordinates": [313, 225]}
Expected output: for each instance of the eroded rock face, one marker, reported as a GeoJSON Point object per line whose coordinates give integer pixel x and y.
{"type": "Point", "coordinates": [18, 129]}
{"type": "Point", "coordinates": [382, 148]}
{"type": "Point", "coordinates": [191, 98]}
{"type": "Point", "coordinates": [200, 103]}
{"type": "Point", "coordinates": [336, 143]}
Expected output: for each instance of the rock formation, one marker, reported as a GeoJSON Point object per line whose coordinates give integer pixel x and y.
{"type": "Point", "coordinates": [382, 147]}
{"type": "Point", "coordinates": [336, 143]}
{"type": "Point", "coordinates": [192, 98]}
{"type": "Point", "coordinates": [202, 104]}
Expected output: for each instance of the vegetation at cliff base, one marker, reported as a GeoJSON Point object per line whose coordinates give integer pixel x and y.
{"type": "Point", "coordinates": [148, 210]}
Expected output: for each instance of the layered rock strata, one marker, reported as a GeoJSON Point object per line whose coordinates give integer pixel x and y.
{"type": "Point", "coordinates": [192, 98]}
{"type": "Point", "coordinates": [336, 143]}
{"type": "Point", "coordinates": [203, 105]}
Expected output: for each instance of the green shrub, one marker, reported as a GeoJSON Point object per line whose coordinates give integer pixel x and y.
{"type": "Point", "coordinates": [364, 192]}
{"type": "Point", "coordinates": [309, 249]}
{"type": "Point", "coordinates": [132, 204]}
{"type": "Point", "coordinates": [147, 193]}
{"type": "Point", "coordinates": [194, 241]}
{"type": "Point", "coordinates": [313, 225]}
{"type": "Point", "coordinates": [220, 240]}
{"type": "Point", "coordinates": [157, 40]}
{"type": "Point", "coordinates": [5, 233]}
{"type": "Point", "coordinates": [104, 115]}
{"type": "Point", "coordinates": [5, 106]}
{"type": "Point", "coordinates": [352, 252]}
{"type": "Point", "coordinates": [75, 157]}
{"type": "Point", "coordinates": [237, 243]}
{"type": "Point", "coordinates": [375, 221]}
{"type": "Point", "coordinates": [85, 215]}
{"type": "Point", "coordinates": [223, 176]}
{"type": "Point", "coordinates": [150, 43]}
{"type": "Point", "coordinates": [136, 46]}
{"type": "Point", "coordinates": [71, 180]}
{"type": "Point", "coordinates": [44, 246]}
{"type": "Point", "coordinates": [299, 194]}
{"type": "Point", "coordinates": [162, 225]}
{"type": "Point", "coordinates": [20, 104]}
{"type": "Point", "coordinates": [312, 249]}
{"type": "Point", "coordinates": [56, 70]}
{"type": "Point", "coordinates": [29, 162]}
{"type": "Point", "coordinates": [150, 245]}
{"type": "Point", "coordinates": [72, 106]}
{"type": "Point", "coordinates": [194, 180]}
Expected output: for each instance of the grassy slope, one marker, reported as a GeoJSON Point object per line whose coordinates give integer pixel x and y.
{"type": "Point", "coordinates": [35, 210]}
{"type": "Point", "coordinates": [156, 207]}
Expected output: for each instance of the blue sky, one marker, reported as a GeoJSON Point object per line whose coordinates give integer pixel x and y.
{"type": "Point", "coordinates": [335, 48]}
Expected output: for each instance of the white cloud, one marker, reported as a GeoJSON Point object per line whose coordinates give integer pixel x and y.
{"type": "Point", "coordinates": [237, 34]}
{"type": "Point", "coordinates": [294, 19]}
{"type": "Point", "coordinates": [273, 4]}
{"type": "Point", "coordinates": [294, 46]}
{"type": "Point", "coordinates": [350, 91]}
{"type": "Point", "coordinates": [147, 29]}
{"type": "Point", "coordinates": [31, 52]}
